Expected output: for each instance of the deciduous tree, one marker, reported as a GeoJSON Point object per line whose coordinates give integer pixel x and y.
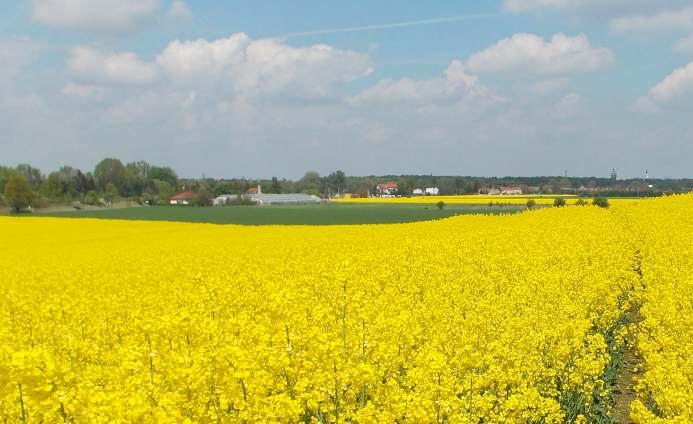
{"type": "Point", "coordinates": [18, 192]}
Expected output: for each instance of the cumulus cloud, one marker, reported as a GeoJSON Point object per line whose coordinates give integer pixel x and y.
{"type": "Point", "coordinates": [455, 84]}
{"type": "Point", "coordinates": [675, 86]}
{"type": "Point", "coordinates": [263, 66]}
{"type": "Point", "coordinates": [200, 59]}
{"type": "Point", "coordinates": [117, 68]}
{"type": "Point", "coordinates": [103, 15]}
{"type": "Point", "coordinates": [667, 20]}
{"type": "Point", "coordinates": [530, 54]}
{"type": "Point", "coordinates": [271, 66]}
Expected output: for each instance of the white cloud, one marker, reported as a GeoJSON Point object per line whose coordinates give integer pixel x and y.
{"type": "Point", "coordinates": [455, 84]}
{"type": "Point", "coordinates": [457, 75]}
{"type": "Point", "coordinates": [530, 54]}
{"type": "Point", "coordinates": [192, 60]}
{"type": "Point", "coordinates": [407, 90]}
{"type": "Point", "coordinates": [264, 66]}
{"type": "Point", "coordinates": [676, 85]}
{"type": "Point", "coordinates": [101, 15]}
{"type": "Point", "coordinates": [271, 66]}
{"type": "Point", "coordinates": [685, 45]}
{"type": "Point", "coordinates": [179, 12]}
{"type": "Point", "coordinates": [667, 20]}
{"type": "Point", "coordinates": [118, 68]}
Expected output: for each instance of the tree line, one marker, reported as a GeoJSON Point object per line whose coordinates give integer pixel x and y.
{"type": "Point", "coordinates": [142, 182]}
{"type": "Point", "coordinates": [111, 180]}
{"type": "Point", "coordinates": [25, 185]}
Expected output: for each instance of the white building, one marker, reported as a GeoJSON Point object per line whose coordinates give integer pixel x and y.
{"type": "Point", "coordinates": [417, 192]}
{"type": "Point", "coordinates": [432, 191]}
{"type": "Point", "coordinates": [510, 191]}
{"type": "Point", "coordinates": [269, 199]}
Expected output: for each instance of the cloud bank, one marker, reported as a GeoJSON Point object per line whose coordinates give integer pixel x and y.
{"type": "Point", "coordinates": [531, 54]}
{"type": "Point", "coordinates": [100, 15]}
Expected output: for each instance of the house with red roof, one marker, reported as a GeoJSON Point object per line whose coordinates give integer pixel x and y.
{"type": "Point", "coordinates": [182, 199]}
{"type": "Point", "coordinates": [388, 188]}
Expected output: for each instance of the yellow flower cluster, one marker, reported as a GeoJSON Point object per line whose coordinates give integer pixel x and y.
{"type": "Point", "coordinates": [465, 320]}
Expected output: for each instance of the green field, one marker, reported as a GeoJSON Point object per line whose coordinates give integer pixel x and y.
{"type": "Point", "coordinates": [325, 214]}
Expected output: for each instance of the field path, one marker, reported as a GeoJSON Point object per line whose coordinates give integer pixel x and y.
{"type": "Point", "coordinates": [624, 392]}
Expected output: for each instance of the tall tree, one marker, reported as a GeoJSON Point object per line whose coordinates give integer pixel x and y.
{"type": "Point", "coordinates": [18, 192]}
{"type": "Point", "coordinates": [31, 174]}
{"type": "Point", "coordinates": [164, 173]}
{"type": "Point", "coordinates": [135, 180]}
{"type": "Point", "coordinates": [52, 187]}
{"type": "Point", "coordinates": [5, 174]}
{"type": "Point", "coordinates": [84, 183]}
{"type": "Point", "coordinates": [110, 171]}
{"type": "Point", "coordinates": [335, 182]}
{"type": "Point", "coordinates": [275, 187]}
{"type": "Point", "coordinates": [310, 183]}
{"type": "Point", "coordinates": [67, 176]}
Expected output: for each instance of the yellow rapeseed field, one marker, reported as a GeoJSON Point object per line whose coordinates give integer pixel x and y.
{"type": "Point", "coordinates": [663, 234]}
{"type": "Point", "coordinates": [493, 319]}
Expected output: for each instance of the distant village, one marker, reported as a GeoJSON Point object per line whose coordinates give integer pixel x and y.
{"type": "Point", "coordinates": [392, 188]}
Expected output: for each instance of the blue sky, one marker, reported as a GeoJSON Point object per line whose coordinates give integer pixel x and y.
{"type": "Point", "coordinates": [260, 88]}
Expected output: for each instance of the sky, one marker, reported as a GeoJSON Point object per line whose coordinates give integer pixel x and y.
{"type": "Point", "coordinates": [277, 88]}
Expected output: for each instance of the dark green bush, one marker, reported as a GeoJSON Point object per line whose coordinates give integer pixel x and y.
{"type": "Point", "coordinates": [602, 202]}
{"type": "Point", "coordinates": [91, 198]}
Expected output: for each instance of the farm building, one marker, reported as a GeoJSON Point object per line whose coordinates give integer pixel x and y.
{"type": "Point", "coordinates": [184, 198]}
{"type": "Point", "coordinates": [510, 190]}
{"type": "Point", "coordinates": [270, 199]}
{"type": "Point", "coordinates": [503, 191]}
{"type": "Point", "coordinates": [428, 191]}
{"type": "Point", "coordinates": [388, 188]}
{"type": "Point", "coordinates": [284, 199]}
